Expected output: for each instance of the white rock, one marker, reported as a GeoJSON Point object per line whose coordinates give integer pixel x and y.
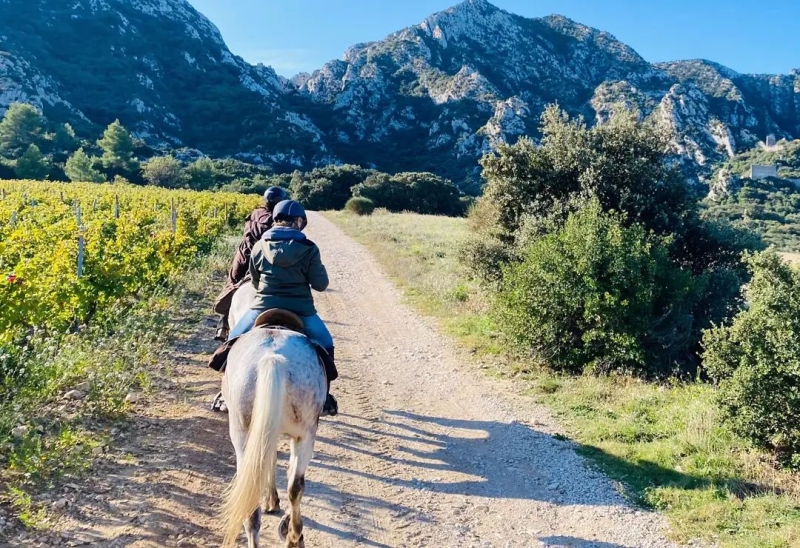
{"type": "Point", "coordinates": [60, 504]}
{"type": "Point", "coordinates": [74, 395]}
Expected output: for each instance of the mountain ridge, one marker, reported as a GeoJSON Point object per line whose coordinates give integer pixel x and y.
{"type": "Point", "coordinates": [430, 97]}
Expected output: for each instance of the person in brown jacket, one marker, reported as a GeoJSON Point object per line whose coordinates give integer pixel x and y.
{"type": "Point", "coordinates": [256, 224]}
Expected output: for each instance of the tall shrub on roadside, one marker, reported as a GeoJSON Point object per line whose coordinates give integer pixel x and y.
{"type": "Point", "coordinates": [598, 294]}
{"type": "Point", "coordinates": [622, 166]}
{"type": "Point", "coordinates": [756, 359]}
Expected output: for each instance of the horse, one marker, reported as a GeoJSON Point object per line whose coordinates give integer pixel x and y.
{"type": "Point", "coordinates": [273, 386]}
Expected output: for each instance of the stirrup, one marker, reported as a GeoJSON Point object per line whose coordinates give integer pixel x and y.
{"type": "Point", "coordinates": [331, 407]}
{"type": "Point", "coordinates": [222, 334]}
{"type": "Point", "coordinates": [219, 404]}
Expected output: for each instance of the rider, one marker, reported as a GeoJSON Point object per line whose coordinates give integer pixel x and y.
{"type": "Point", "coordinates": [256, 224]}
{"type": "Point", "coordinates": [285, 266]}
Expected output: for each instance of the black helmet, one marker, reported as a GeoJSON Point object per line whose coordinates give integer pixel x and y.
{"type": "Point", "coordinates": [275, 194]}
{"type": "Point", "coordinates": [289, 210]}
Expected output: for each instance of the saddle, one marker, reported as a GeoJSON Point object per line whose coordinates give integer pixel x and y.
{"type": "Point", "coordinates": [276, 319]}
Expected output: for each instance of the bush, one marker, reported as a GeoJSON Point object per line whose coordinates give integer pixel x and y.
{"type": "Point", "coordinates": [424, 193]}
{"type": "Point", "coordinates": [164, 171]}
{"type": "Point", "coordinates": [598, 294]}
{"type": "Point", "coordinates": [328, 187]}
{"type": "Point", "coordinates": [622, 166]}
{"type": "Point", "coordinates": [360, 206]}
{"type": "Point", "coordinates": [756, 359]}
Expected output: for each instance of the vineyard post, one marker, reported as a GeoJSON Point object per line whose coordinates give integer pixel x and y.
{"type": "Point", "coordinates": [81, 241]}
{"type": "Point", "coordinates": [3, 191]}
{"type": "Point", "coordinates": [174, 217]}
{"type": "Point", "coordinates": [61, 193]}
{"type": "Point", "coordinates": [94, 205]}
{"type": "Point", "coordinates": [116, 206]}
{"type": "Point", "coordinates": [13, 219]}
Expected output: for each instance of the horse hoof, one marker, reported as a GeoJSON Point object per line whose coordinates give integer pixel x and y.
{"type": "Point", "coordinates": [300, 543]}
{"type": "Point", "coordinates": [283, 529]}
{"type": "Point", "coordinates": [274, 510]}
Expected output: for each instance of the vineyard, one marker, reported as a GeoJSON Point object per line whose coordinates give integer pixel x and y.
{"type": "Point", "coordinates": [72, 255]}
{"type": "Point", "coordinates": [67, 251]}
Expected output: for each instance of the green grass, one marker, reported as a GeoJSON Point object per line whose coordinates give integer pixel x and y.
{"type": "Point", "coordinates": [45, 437]}
{"type": "Point", "coordinates": [662, 443]}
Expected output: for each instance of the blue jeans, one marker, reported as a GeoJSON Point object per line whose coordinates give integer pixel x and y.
{"type": "Point", "coordinates": [315, 328]}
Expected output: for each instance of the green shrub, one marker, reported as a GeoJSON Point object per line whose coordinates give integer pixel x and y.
{"type": "Point", "coordinates": [622, 166]}
{"type": "Point", "coordinates": [360, 206]}
{"type": "Point", "coordinates": [326, 188]}
{"type": "Point", "coordinates": [424, 193]}
{"type": "Point", "coordinates": [756, 359]}
{"type": "Point", "coordinates": [598, 294]}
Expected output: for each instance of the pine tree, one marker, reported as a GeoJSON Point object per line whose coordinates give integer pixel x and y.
{"type": "Point", "coordinates": [117, 144]}
{"type": "Point", "coordinates": [21, 127]}
{"type": "Point", "coordinates": [80, 168]}
{"type": "Point", "coordinates": [32, 165]}
{"type": "Point", "coordinates": [64, 139]}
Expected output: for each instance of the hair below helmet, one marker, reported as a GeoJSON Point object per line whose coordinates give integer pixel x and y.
{"type": "Point", "coordinates": [275, 194]}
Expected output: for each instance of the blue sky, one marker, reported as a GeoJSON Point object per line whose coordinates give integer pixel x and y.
{"type": "Point", "coordinates": [301, 35]}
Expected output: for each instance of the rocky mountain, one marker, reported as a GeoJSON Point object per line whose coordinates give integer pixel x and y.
{"type": "Point", "coordinates": [159, 66]}
{"type": "Point", "coordinates": [433, 97]}
{"type": "Point", "coordinates": [439, 94]}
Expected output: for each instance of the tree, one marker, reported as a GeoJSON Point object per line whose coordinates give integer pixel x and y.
{"type": "Point", "coordinates": [424, 193]}
{"type": "Point", "coordinates": [80, 168]}
{"type": "Point", "coordinates": [327, 187]}
{"type": "Point", "coordinates": [32, 164]}
{"type": "Point", "coordinates": [118, 146]}
{"type": "Point", "coordinates": [21, 127]}
{"type": "Point", "coordinates": [64, 138]}
{"type": "Point", "coordinates": [625, 167]}
{"type": "Point", "coordinates": [164, 171]}
{"type": "Point", "coordinates": [200, 174]}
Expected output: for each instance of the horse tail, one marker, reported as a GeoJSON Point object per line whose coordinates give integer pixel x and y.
{"type": "Point", "coordinates": [256, 474]}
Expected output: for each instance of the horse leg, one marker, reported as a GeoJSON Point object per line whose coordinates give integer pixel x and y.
{"type": "Point", "coordinates": [291, 526]}
{"type": "Point", "coordinates": [273, 502]}
{"type": "Point", "coordinates": [238, 433]}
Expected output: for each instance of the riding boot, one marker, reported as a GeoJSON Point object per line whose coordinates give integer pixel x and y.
{"type": "Point", "coordinates": [223, 330]}
{"type": "Point", "coordinates": [331, 407]}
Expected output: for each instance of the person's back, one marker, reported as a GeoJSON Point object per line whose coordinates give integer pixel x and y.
{"type": "Point", "coordinates": [256, 224]}
{"type": "Point", "coordinates": [285, 266]}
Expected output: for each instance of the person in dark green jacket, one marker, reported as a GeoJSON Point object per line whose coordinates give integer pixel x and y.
{"type": "Point", "coordinates": [285, 266]}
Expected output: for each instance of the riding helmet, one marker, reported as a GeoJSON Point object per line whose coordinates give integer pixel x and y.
{"type": "Point", "coordinates": [275, 194]}
{"type": "Point", "coordinates": [289, 210]}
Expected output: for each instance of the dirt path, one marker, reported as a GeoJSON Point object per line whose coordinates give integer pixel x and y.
{"type": "Point", "coordinates": [428, 452]}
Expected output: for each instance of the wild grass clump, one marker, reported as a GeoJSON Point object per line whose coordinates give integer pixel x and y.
{"type": "Point", "coordinates": [360, 206]}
